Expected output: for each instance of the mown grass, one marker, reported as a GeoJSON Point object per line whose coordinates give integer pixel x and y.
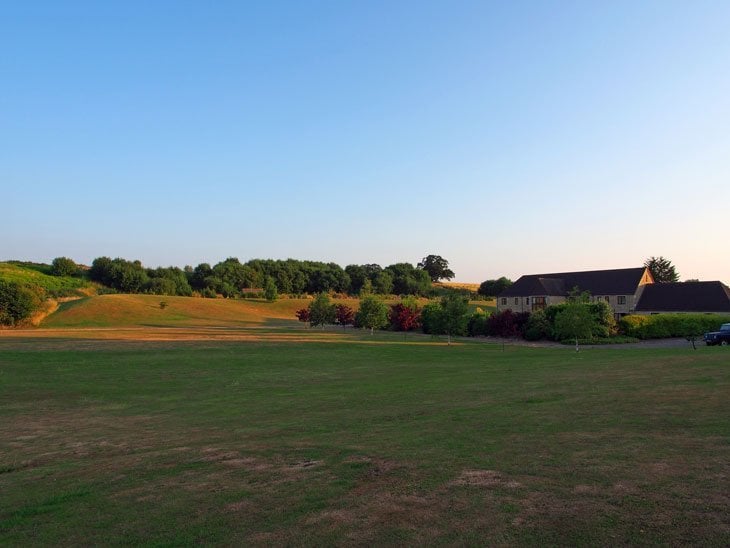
{"type": "Point", "coordinates": [39, 275]}
{"type": "Point", "coordinates": [356, 443]}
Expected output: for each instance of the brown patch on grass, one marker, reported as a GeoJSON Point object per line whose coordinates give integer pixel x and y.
{"type": "Point", "coordinates": [485, 478]}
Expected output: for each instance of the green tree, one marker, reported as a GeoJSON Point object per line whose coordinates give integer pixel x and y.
{"type": "Point", "coordinates": [383, 283]}
{"type": "Point", "coordinates": [437, 268]}
{"type": "Point", "coordinates": [270, 291]}
{"type": "Point", "coordinates": [492, 288]}
{"type": "Point", "coordinates": [18, 302]}
{"type": "Point", "coordinates": [454, 309]}
{"type": "Point", "coordinates": [63, 266]}
{"type": "Point", "coordinates": [662, 270]}
{"type": "Point", "coordinates": [322, 311]}
{"type": "Point", "coordinates": [432, 318]}
{"type": "Point", "coordinates": [373, 313]}
{"type": "Point", "coordinates": [574, 321]}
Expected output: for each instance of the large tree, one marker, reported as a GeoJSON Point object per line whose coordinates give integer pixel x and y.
{"type": "Point", "coordinates": [63, 266]}
{"type": "Point", "coordinates": [492, 288]}
{"type": "Point", "coordinates": [437, 268]}
{"type": "Point", "coordinates": [662, 269]}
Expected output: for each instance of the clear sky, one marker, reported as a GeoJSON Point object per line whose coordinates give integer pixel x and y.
{"type": "Point", "coordinates": [508, 137]}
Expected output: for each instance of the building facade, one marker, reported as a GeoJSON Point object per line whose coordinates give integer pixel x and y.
{"type": "Point", "coordinates": [621, 289]}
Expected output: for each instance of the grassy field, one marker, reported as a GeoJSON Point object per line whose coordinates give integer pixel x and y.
{"type": "Point", "coordinates": [360, 440]}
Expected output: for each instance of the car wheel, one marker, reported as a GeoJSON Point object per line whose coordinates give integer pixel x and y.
{"type": "Point", "coordinates": [723, 343]}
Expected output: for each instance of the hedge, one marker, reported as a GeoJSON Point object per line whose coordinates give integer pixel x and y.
{"type": "Point", "coordinates": [662, 326]}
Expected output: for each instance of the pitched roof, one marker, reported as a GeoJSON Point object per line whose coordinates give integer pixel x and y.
{"type": "Point", "coordinates": [621, 281]}
{"type": "Point", "coordinates": [685, 297]}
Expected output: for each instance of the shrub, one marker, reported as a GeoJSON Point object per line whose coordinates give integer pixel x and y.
{"type": "Point", "coordinates": [209, 293]}
{"type": "Point", "coordinates": [507, 324]}
{"type": "Point", "coordinates": [601, 318]}
{"type": "Point", "coordinates": [662, 326]}
{"type": "Point", "coordinates": [431, 318]}
{"type": "Point", "coordinates": [477, 324]}
{"type": "Point", "coordinates": [18, 302]}
{"type": "Point", "coordinates": [537, 327]}
{"type": "Point", "coordinates": [303, 314]}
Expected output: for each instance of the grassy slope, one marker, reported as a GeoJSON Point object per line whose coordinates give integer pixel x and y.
{"type": "Point", "coordinates": [35, 274]}
{"type": "Point", "coordinates": [144, 310]}
{"type": "Point", "coordinates": [361, 444]}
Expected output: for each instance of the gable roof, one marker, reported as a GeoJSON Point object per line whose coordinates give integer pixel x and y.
{"type": "Point", "coordinates": [685, 297]}
{"type": "Point", "coordinates": [621, 281]}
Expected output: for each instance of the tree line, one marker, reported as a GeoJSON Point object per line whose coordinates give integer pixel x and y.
{"type": "Point", "coordinates": [231, 278]}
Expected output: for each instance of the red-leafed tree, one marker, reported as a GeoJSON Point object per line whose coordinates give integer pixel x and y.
{"type": "Point", "coordinates": [303, 315]}
{"type": "Point", "coordinates": [345, 315]}
{"type": "Point", "coordinates": [405, 316]}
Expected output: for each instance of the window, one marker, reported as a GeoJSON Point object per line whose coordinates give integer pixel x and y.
{"type": "Point", "coordinates": [538, 303]}
{"type": "Point", "coordinates": [504, 301]}
{"type": "Point", "coordinates": [527, 300]}
{"type": "Point", "coordinates": [621, 299]}
{"type": "Point", "coordinates": [607, 299]}
{"type": "Point", "coordinates": [517, 300]}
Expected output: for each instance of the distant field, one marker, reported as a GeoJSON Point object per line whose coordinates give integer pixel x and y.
{"type": "Point", "coordinates": [145, 310]}
{"type": "Point", "coordinates": [459, 285]}
{"type": "Point", "coordinates": [367, 441]}
{"type": "Point", "coordinates": [38, 275]}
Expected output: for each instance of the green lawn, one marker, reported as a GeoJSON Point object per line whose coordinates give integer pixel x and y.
{"type": "Point", "coordinates": [357, 443]}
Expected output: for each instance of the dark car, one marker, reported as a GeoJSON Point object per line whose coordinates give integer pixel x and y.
{"type": "Point", "coordinates": [721, 337]}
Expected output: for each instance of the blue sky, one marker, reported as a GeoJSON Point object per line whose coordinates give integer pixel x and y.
{"type": "Point", "coordinates": [510, 137]}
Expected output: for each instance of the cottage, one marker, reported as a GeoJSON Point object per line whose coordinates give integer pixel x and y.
{"type": "Point", "coordinates": [620, 288]}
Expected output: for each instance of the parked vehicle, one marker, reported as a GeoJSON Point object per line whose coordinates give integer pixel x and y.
{"type": "Point", "coordinates": [721, 337]}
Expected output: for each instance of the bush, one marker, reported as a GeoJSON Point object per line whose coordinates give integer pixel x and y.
{"type": "Point", "coordinates": [537, 327]}
{"type": "Point", "coordinates": [63, 266]}
{"type": "Point", "coordinates": [662, 326]}
{"type": "Point", "coordinates": [209, 293]}
{"type": "Point", "coordinates": [477, 325]}
{"type": "Point", "coordinates": [507, 324]}
{"type": "Point", "coordinates": [602, 322]}
{"type": "Point", "coordinates": [405, 316]}
{"type": "Point", "coordinates": [431, 318]}
{"type": "Point", "coordinates": [18, 302]}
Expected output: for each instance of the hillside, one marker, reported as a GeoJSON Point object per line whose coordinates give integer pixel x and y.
{"type": "Point", "coordinates": [145, 310]}
{"type": "Point", "coordinates": [39, 275]}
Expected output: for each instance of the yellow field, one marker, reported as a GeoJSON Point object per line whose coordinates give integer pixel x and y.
{"type": "Point", "coordinates": [458, 285]}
